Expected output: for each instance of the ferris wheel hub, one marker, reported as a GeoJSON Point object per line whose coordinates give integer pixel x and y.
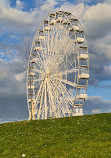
{"type": "Point", "coordinates": [47, 75]}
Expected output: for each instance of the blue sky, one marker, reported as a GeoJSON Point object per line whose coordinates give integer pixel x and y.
{"type": "Point", "coordinates": [19, 20]}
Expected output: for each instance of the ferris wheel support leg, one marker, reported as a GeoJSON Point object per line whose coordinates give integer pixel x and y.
{"type": "Point", "coordinates": [41, 103]}
{"type": "Point", "coordinates": [45, 100]}
{"type": "Point", "coordinates": [32, 111]}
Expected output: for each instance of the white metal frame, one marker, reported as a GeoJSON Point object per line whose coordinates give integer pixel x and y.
{"type": "Point", "coordinates": [56, 68]}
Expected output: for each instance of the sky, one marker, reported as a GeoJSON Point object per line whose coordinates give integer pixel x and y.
{"type": "Point", "coordinates": [19, 20]}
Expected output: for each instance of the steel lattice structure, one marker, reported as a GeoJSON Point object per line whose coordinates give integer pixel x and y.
{"type": "Point", "coordinates": [58, 68]}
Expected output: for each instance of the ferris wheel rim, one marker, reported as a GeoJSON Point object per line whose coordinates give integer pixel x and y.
{"type": "Point", "coordinates": [52, 77]}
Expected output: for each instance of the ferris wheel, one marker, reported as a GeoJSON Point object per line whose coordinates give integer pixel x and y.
{"type": "Point", "coordinates": [58, 68]}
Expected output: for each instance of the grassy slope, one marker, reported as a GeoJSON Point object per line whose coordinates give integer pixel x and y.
{"type": "Point", "coordinates": [83, 137]}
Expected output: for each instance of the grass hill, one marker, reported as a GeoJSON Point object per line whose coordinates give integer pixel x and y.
{"type": "Point", "coordinates": [72, 137]}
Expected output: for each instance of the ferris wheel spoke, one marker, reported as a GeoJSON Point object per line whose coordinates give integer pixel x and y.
{"type": "Point", "coordinates": [54, 40]}
{"type": "Point", "coordinates": [64, 40]}
{"type": "Point", "coordinates": [38, 94]}
{"type": "Point", "coordinates": [42, 60]}
{"type": "Point", "coordinates": [48, 47]}
{"type": "Point", "coordinates": [41, 102]}
{"type": "Point", "coordinates": [37, 80]}
{"type": "Point", "coordinates": [39, 51]}
{"type": "Point", "coordinates": [37, 62]}
{"type": "Point", "coordinates": [36, 70]}
{"type": "Point", "coordinates": [51, 41]}
{"type": "Point", "coordinates": [58, 101]}
{"type": "Point", "coordinates": [50, 94]}
{"type": "Point", "coordinates": [57, 51]}
{"type": "Point", "coordinates": [45, 47]}
{"type": "Point", "coordinates": [37, 84]}
{"type": "Point", "coordinates": [60, 40]}
{"type": "Point", "coordinates": [57, 65]}
{"type": "Point", "coordinates": [65, 89]}
{"type": "Point", "coordinates": [64, 34]}
{"type": "Point", "coordinates": [65, 93]}
{"type": "Point", "coordinates": [42, 112]}
{"type": "Point", "coordinates": [60, 60]}
{"type": "Point", "coordinates": [65, 81]}
{"type": "Point", "coordinates": [48, 43]}
{"type": "Point", "coordinates": [53, 36]}
{"type": "Point", "coordinates": [55, 44]}
{"type": "Point", "coordinates": [57, 90]}
{"type": "Point", "coordinates": [67, 44]}
{"type": "Point", "coordinates": [69, 64]}
{"type": "Point", "coordinates": [68, 71]}
{"type": "Point", "coordinates": [45, 100]}
{"type": "Point", "coordinates": [61, 90]}
{"type": "Point", "coordinates": [38, 54]}
{"type": "Point", "coordinates": [69, 94]}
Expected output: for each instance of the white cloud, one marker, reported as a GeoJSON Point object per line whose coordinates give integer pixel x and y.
{"type": "Point", "coordinates": [17, 19]}
{"type": "Point", "coordinates": [96, 111]}
{"type": "Point", "coordinates": [1, 54]}
{"type": "Point", "coordinates": [108, 69]}
{"type": "Point", "coordinates": [83, 1]}
{"type": "Point", "coordinates": [107, 1]}
{"type": "Point", "coordinates": [101, 48]}
{"type": "Point", "coordinates": [95, 104]}
{"type": "Point", "coordinates": [19, 5]}
{"type": "Point", "coordinates": [5, 3]}
{"type": "Point", "coordinates": [20, 76]}
{"type": "Point", "coordinates": [98, 20]}
{"type": "Point", "coordinates": [11, 83]}
{"type": "Point", "coordinates": [48, 5]}
{"type": "Point", "coordinates": [14, 16]}
{"type": "Point", "coordinates": [14, 19]}
{"type": "Point", "coordinates": [14, 37]}
{"type": "Point", "coordinates": [96, 12]}
{"type": "Point", "coordinates": [76, 10]}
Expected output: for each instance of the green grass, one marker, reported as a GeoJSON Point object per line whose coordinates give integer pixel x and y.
{"type": "Point", "coordinates": [82, 137]}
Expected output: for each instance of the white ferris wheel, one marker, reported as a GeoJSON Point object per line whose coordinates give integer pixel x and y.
{"type": "Point", "coordinates": [58, 68]}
